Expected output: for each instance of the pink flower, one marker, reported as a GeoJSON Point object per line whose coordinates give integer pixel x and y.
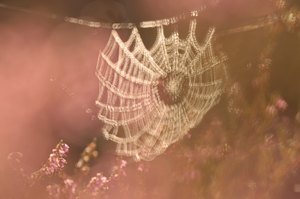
{"type": "Point", "coordinates": [96, 184]}
{"type": "Point", "coordinates": [68, 190]}
{"type": "Point", "coordinates": [63, 149]}
{"type": "Point", "coordinates": [123, 164]}
{"type": "Point", "coordinates": [56, 160]}
{"type": "Point", "coordinates": [281, 104]}
{"type": "Point", "coordinates": [104, 179]}
{"type": "Point", "coordinates": [140, 168]}
{"type": "Point", "coordinates": [70, 187]}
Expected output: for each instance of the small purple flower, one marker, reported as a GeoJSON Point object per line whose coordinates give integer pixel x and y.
{"type": "Point", "coordinates": [97, 183]}
{"type": "Point", "coordinates": [104, 179]}
{"type": "Point", "coordinates": [66, 190]}
{"type": "Point", "coordinates": [56, 160]}
{"type": "Point", "coordinates": [63, 149]}
{"type": "Point", "coordinates": [70, 188]}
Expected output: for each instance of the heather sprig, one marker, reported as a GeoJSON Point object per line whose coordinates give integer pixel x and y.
{"type": "Point", "coordinates": [55, 163]}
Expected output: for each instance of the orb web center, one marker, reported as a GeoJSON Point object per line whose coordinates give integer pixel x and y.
{"type": "Point", "coordinates": [173, 87]}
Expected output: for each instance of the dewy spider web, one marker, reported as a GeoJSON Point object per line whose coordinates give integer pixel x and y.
{"type": "Point", "coordinates": [149, 99]}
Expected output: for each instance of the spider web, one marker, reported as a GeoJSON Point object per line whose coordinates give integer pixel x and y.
{"type": "Point", "coordinates": [149, 99]}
